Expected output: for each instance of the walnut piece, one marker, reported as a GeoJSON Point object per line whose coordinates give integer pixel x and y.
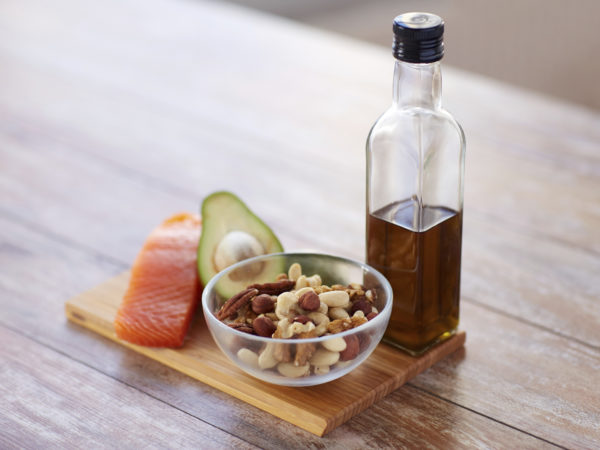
{"type": "Point", "coordinates": [337, 326]}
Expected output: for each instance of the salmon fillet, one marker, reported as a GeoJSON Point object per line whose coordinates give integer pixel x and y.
{"type": "Point", "coordinates": [163, 289]}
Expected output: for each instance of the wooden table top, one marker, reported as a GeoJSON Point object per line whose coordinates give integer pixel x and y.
{"type": "Point", "coordinates": [116, 114]}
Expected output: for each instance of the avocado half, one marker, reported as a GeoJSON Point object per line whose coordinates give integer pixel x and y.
{"type": "Point", "coordinates": [232, 233]}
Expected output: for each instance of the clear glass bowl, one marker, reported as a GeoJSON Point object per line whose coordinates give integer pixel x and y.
{"type": "Point", "coordinates": [242, 348]}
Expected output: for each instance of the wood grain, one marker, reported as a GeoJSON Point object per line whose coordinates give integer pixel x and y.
{"type": "Point", "coordinates": [284, 139]}
{"type": "Point", "coordinates": [48, 400]}
{"type": "Point", "coordinates": [318, 409]}
{"type": "Point", "coordinates": [554, 268]}
{"type": "Point", "coordinates": [537, 381]}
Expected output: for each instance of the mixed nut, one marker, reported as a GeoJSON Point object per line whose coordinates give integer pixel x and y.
{"type": "Point", "coordinates": [298, 307]}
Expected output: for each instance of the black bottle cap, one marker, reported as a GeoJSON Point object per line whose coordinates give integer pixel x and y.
{"type": "Point", "coordinates": [418, 37]}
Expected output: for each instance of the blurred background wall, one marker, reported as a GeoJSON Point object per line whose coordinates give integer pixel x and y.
{"type": "Point", "coordinates": [551, 46]}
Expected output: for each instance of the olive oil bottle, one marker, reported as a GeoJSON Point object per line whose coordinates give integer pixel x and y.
{"type": "Point", "coordinates": [415, 172]}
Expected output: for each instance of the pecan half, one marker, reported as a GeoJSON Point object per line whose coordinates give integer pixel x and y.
{"type": "Point", "coordinates": [236, 302]}
{"type": "Point", "coordinates": [275, 288]}
{"type": "Point", "coordinates": [243, 327]}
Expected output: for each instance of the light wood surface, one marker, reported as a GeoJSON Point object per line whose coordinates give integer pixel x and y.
{"type": "Point", "coordinates": [318, 409]}
{"type": "Point", "coordinates": [108, 124]}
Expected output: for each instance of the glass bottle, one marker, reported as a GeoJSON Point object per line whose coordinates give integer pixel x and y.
{"type": "Point", "coordinates": [415, 171]}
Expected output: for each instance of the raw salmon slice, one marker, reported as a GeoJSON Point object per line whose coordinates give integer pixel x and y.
{"type": "Point", "coordinates": [163, 289]}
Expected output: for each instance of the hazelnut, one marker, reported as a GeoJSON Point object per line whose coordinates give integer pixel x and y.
{"type": "Point", "coordinates": [263, 326]}
{"type": "Point", "coordinates": [309, 301]}
{"type": "Point", "coordinates": [352, 347]}
{"type": "Point", "coordinates": [364, 340]}
{"type": "Point", "coordinates": [262, 304]}
{"type": "Point", "coordinates": [361, 305]}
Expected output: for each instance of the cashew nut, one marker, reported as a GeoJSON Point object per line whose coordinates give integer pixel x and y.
{"type": "Point", "coordinates": [323, 308]}
{"type": "Point", "coordinates": [285, 302]}
{"type": "Point", "coordinates": [335, 298]}
{"type": "Point", "coordinates": [266, 360]}
{"type": "Point", "coordinates": [338, 313]}
{"type": "Point", "coordinates": [283, 329]}
{"type": "Point", "coordinates": [292, 371]}
{"type": "Point", "coordinates": [336, 344]}
{"type": "Point", "coordinates": [248, 357]}
{"type": "Point", "coordinates": [323, 357]}
{"type": "Point", "coordinates": [321, 321]}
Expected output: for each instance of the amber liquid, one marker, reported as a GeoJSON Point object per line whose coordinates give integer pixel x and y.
{"type": "Point", "coordinates": [423, 268]}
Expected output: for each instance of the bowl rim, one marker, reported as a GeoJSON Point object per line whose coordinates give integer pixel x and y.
{"type": "Point", "coordinates": [382, 316]}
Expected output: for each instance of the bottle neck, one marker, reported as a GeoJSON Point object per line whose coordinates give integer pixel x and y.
{"type": "Point", "coordinates": [417, 85]}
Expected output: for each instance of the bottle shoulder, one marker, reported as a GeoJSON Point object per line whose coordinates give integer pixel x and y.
{"type": "Point", "coordinates": [394, 114]}
{"type": "Point", "coordinates": [400, 121]}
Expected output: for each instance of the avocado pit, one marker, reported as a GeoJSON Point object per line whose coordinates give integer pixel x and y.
{"type": "Point", "coordinates": [234, 247]}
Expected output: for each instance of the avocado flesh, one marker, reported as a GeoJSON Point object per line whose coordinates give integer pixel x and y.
{"type": "Point", "coordinates": [232, 233]}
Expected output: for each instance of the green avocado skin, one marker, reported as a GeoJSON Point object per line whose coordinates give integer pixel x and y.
{"type": "Point", "coordinates": [223, 212]}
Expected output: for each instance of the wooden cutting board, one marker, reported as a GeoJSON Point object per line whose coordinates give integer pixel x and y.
{"type": "Point", "coordinates": [318, 409]}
